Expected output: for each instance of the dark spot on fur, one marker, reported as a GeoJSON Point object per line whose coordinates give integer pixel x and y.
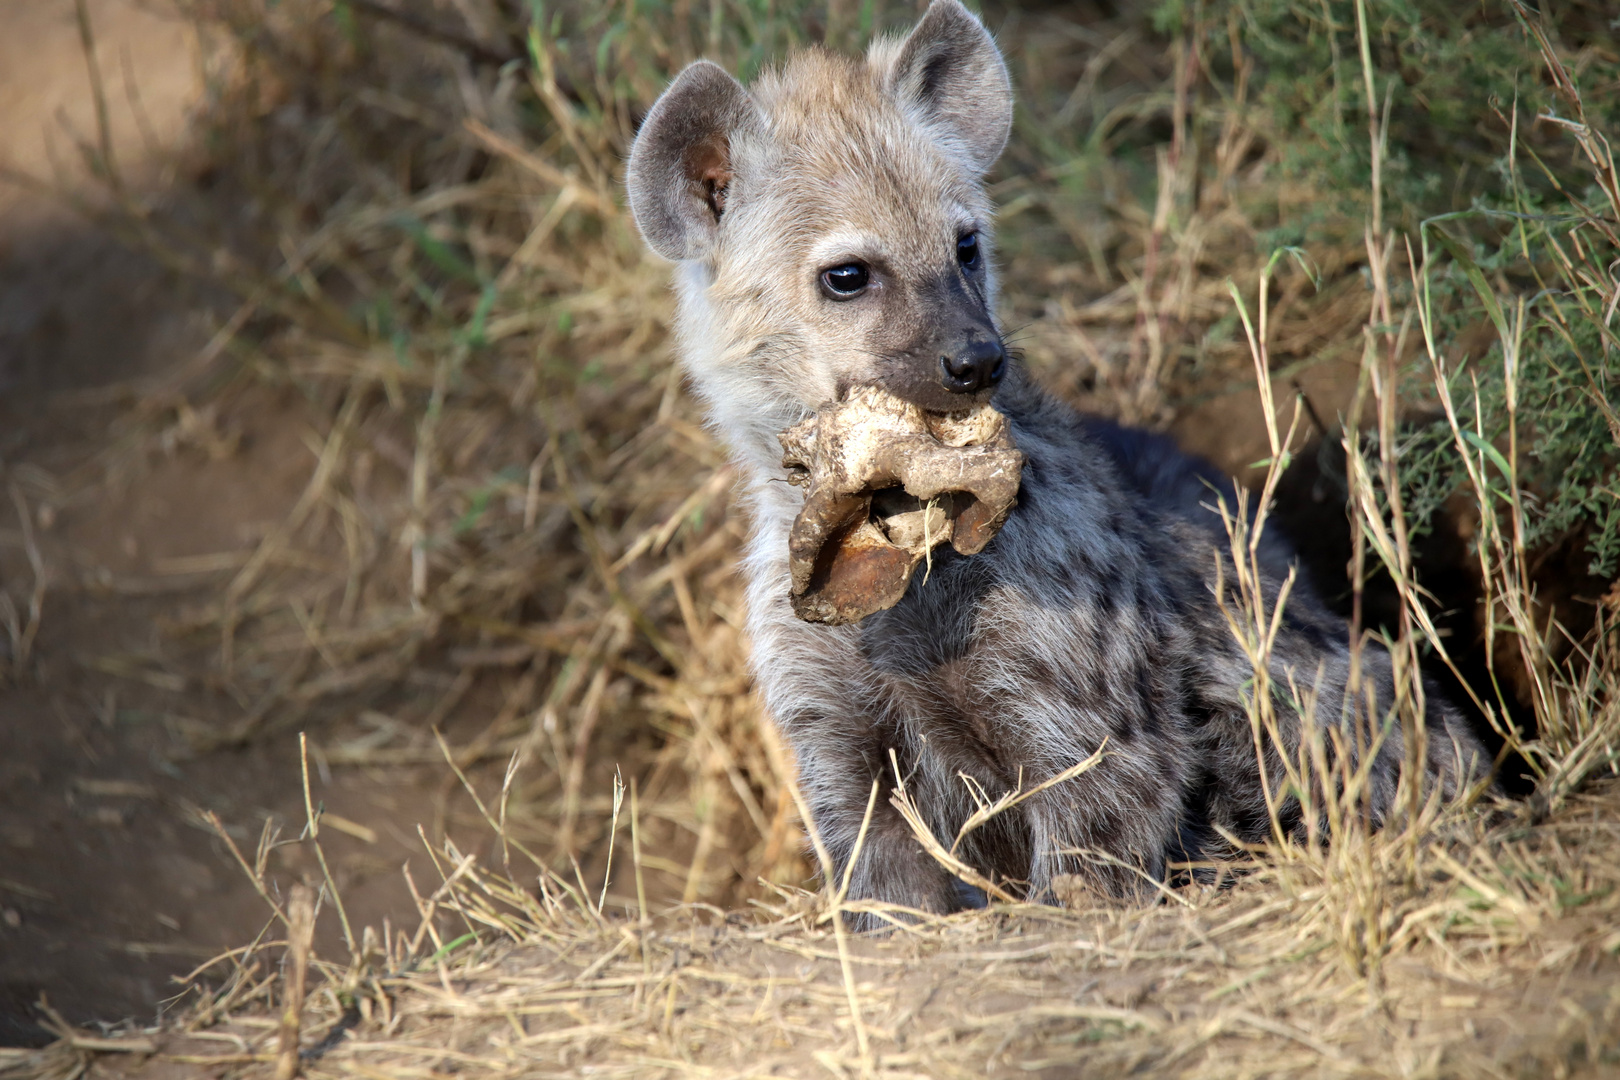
{"type": "Point", "coordinates": [1308, 629]}
{"type": "Point", "coordinates": [1147, 700]}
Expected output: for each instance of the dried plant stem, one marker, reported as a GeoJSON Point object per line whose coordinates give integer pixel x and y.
{"type": "Point", "coordinates": [635, 856]}
{"type": "Point", "coordinates": [312, 832]}
{"type": "Point", "coordinates": [570, 190]}
{"type": "Point", "coordinates": [985, 810]}
{"type": "Point", "coordinates": [836, 897]}
{"type": "Point", "coordinates": [475, 50]}
{"type": "Point", "coordinates": [590, 711]}
{"type": "Point", "coordinates": [421, 465]}
{"type": "Point", "coordinates": [613, 832]}
{"type": "Point", "coordinates": [255, 873]}
{"type": "Point", "coordinates": [24, 644]}
{"type": "Point", "coordinates": [326, 468]}
{"type": "Point", "coordinates": [902, 801]}
{"type": "Point", "coordinates": [98, 94]}
{"type": "Point", "coordinates": [862, 1043]}
{"type": "Point", "coordinates": [300, 936]}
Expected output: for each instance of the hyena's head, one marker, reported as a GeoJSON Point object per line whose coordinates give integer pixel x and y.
{"type": "Point", "coordinates": [831, 222]}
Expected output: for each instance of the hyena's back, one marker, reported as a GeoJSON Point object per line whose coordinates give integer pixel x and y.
{"type": "Point", "coordinates": [1180, 485]}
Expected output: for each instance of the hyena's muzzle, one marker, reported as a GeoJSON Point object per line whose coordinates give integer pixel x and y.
{"type": "Point", "coordinates": [942, 352]}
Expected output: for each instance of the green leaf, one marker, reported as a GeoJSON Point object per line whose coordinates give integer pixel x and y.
{"type": "Point", "coordinates": [1473, 439]}
{"type": "Point", "coordinates": [475, 511]}
{"type": "Point", "coordinates": [473, 335]}
{"type": "Point", "coordinates": [1476, 277]}
{"type": "Point", "coordinates": [438, 253]}
{"type": "Point", "coordinates": [451, 946]}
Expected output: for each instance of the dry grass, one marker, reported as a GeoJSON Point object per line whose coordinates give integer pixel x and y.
{"type": "Point", "coordinates": [1501, 963]}
{"type": "Point", "coordinates": [513, 496]}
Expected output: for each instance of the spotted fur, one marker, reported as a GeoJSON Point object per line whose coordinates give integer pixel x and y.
{"type": "Point", "coordinates": [1093, 614]}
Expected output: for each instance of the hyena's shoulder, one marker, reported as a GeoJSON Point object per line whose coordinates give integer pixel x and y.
{"type": "Point", "coordinates": [1107, 556]}
{"type": "Point", "coordinates": [1170, 492]}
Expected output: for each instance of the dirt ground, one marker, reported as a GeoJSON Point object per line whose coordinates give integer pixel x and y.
{"type": "Point", "coordinates": [110, 880]}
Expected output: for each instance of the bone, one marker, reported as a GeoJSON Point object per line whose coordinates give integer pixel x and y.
{"type": "Point", "coordinates": [886, 484]}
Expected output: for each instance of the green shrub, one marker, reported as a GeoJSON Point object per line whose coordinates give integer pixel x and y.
{"type": "Point", "coordinates": [1495, 166]}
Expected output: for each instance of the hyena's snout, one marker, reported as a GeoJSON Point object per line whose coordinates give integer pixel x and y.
{"type": "Point", "coordinates": [978, 365]}
{"type": "Point", "coordinates": [967, 356]}
{"type": "Point", "coordinates": [950, 356]}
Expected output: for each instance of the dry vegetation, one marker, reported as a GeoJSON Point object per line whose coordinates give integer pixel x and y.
{"type": "Point", "coordinates": [513, 494]}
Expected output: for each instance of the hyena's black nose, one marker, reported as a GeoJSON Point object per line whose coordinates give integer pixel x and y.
{"type": "Point", "coordinates": [977, 366]}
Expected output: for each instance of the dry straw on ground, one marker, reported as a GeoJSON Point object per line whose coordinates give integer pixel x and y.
{"type": "Point", "coordinates": [515, 505]}
{"type": "Point", "coordinates": [1500, 963]}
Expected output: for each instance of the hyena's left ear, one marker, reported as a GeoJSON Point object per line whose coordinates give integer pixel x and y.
{"type": "Point", "coordinates": [682, 164]}
{"type": "Point", "coordinates": [949, 76]}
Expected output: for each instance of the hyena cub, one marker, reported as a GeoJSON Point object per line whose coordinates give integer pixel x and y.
{"type": "Point", "coordinates": [832, 230]}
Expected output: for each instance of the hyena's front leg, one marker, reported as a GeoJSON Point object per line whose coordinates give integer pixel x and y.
{"type": "Point", "coordinates": [891, 866]}
{"type": "Point", "coordinates": [1111, 826]}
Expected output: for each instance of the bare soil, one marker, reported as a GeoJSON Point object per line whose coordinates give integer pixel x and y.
{"type": "Point", "coordinates": [111, 882]}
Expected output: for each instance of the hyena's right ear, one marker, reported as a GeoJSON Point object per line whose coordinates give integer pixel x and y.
{"type": "Point", "coordinates": [681, 165]}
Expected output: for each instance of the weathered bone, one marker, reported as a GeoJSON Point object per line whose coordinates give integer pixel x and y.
{"type": "Point", "coordinates": [887, 483]}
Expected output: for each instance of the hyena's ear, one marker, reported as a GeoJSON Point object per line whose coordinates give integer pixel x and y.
{"type": "Point", "coordinates": [681, 164]}
{"type": "Point", "coordinates": [949, 76]}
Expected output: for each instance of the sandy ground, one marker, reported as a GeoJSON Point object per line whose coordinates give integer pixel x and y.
{"type": "Point", "coordinates": [77, 309]}
{"type": "Point", "coordinates": [110, 883]}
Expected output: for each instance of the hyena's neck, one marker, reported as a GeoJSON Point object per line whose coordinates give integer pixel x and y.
{"type": "Point", "coordinates": [740, 407]}
{"type": "Point", "coordinates": [748, 430]}
{"type": "Point", "coordinates": [749, 436]}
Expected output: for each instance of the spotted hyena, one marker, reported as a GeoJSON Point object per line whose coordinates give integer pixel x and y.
{"type": "Point", "coordinates": [831, 229]}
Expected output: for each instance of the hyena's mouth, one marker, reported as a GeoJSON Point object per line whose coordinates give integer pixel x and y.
{"type": "Point", "coordinates": [889, 482]}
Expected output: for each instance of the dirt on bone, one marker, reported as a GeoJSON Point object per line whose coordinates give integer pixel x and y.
{"type": "Point", "coordinates": [887, 483]}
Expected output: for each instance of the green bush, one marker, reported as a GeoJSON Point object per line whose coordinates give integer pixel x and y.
{"type": "Point", "coordinates": [1495, 165]}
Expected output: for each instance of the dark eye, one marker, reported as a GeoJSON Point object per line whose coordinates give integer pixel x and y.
{"type": "Point", "coordinates": [967, 250]}
{"type": "Point", "coordinates": [843, 282]}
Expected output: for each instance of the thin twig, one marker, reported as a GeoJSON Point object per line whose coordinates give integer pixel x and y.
{"type": "Point", "coordinates": [300, 936]}
{"type": "Point", "coordinates": [901, 801]}
{"type": "Point", "coordinates": [475, 50]}
{"type": "Point", "coordinates": [98, 94]}
{"type": "Point", "coordinates": [313, 832]}
{"type": "Point", "coordinates": [1012, 798]}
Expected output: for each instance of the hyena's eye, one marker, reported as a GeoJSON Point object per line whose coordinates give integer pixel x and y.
{"type": "Point", "coordinates": [845, 282]}
{"type": "Point", "coordinates": [967, 251]}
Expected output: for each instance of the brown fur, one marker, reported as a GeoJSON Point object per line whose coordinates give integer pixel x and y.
{"type": "Point", "coordinates": [1092, 615]}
